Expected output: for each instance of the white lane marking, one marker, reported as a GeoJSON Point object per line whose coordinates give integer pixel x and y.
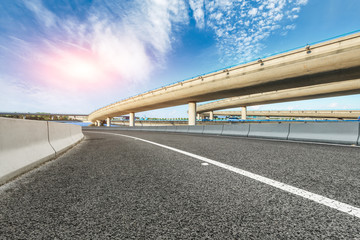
{"type": "Point", "coordinates": [204, 164]}
{"type": "Point", "coordinates": [343, 207]}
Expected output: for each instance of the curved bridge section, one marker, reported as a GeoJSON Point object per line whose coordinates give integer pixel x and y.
{"type": "Point", "coordinates": [293, 94]}
{"type": "Point", "coordinates": [332, 61]}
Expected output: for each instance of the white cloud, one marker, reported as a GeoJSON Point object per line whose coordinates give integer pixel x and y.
{"type": "Point", "coordinates": [43, 15]}
{"type": "Point", "coordinates": [290, 27]}
{"type": "Point", "coordinates": [141, 38]}
{"type": "Point", "coordinates": [245, 24]}
{"type": "Point", "coordinates": [123, 46]}
{"type": "Point", "coordinates": [126, 46]}
{"type": "Point", "coordinates": [253, 12]}
{"type": "Point", "coordinates": [302, 2]}
{"type": "Point", "coordinates": [197, 6]}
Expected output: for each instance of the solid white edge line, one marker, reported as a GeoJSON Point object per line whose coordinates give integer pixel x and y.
{"type": "Point", "coordinates": [343, 207]}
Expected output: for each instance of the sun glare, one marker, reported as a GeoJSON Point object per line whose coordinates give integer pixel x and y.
{"type": "Point", "coordinates": [80, 69]}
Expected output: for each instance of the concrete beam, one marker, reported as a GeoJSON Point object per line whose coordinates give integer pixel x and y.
{"type": "Point", "coordinates": [192, 113]}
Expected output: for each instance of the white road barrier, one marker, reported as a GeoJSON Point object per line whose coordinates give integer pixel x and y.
{"type": "Point", "coordinates": [25, 144]}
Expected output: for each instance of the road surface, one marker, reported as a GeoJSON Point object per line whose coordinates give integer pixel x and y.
{"type": "Point", "coordinates": [114, 186]}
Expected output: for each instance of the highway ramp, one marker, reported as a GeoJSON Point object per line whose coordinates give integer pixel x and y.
{"type": "Point", "coordinates": [117, 187]}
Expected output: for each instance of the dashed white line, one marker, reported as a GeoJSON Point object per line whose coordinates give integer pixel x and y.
{"type": "Point", "coordinates": [343, 207]}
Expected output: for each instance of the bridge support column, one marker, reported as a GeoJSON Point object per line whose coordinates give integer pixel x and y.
{"type": "Point", "coordinates": [192, 114]}
{"type": "Point", "coordinates": [98, 124]}
{"type": "Point", "coordinates": [108, 122]}
{"type": "Point", "coordinates": [211, 116]}
{"type": "Point", "coordinates": [132, 120]}
{"type": "Point", "coordinates": [243, 113]}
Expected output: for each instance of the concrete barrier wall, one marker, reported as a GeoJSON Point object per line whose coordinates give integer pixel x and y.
{"type": "Point", "coordinates": [76, 133]}
{"type": "Point", "coordinates": [59, 136]}
{"type": "Point", "coordinates": [161, 128]}
{"type": "Point", "coordinates": [236, 130]}
{"type": "Point", "coordinates": [266, 130]}
{"type": "Point", "coordinates": [196, 129]}
{"type": "Point", "coordinates": [152, 128]}
{"type": "Point", "coordinates": [25, 144]}
{"type": "Point", "coordinates": [182, 129]}
{"type": "Point", "coordinates": [213, 129]}
{"type": "Point", "coordinates": [171, 129]}
{"type": "Point", "coordinates": [331, 132]}
{"type": "Point", "coordinates": [345, 133]}
{"type": "Point", "coordinates": [62, 136]}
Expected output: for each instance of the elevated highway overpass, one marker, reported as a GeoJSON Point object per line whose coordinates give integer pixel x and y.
{"type": "Point", "coordinates": [292, 94]}
{"type": "Point", "coordinates": [324, 63]}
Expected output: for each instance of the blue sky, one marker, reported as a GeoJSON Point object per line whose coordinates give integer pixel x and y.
{"type": "Point", "coordinates": [76, 56]}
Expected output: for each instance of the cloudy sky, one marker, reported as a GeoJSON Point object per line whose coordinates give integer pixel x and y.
{"type": "Point", "coordinates": [70, 56]}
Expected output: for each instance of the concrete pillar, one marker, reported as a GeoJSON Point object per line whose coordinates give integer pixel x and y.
{"type": "Point", "coordinates": [108, 122]}
{"type": "Point", "coordinates": [243, 113]}
{"type": "Point", "coordinates": [132, 120]}
{"type": "Point", "coordinates": [198, 116]}
{"type": "Point", "coordinates": [211, 117]}
{"type": "Point", "coordinates": [192, 113]}
{"type": "Point", "coordinates": [98, 124]}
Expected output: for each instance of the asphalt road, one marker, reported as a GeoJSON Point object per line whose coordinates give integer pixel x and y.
{"type": "Point", "coordinates": [115, 187]}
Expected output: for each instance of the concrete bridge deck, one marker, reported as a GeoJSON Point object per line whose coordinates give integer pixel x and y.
{"type": "Point", "coordinates": [294, 94]}
{"type": "Point", "coordinates": [113, 186]}
{"type": "Point", "coordinates": [324, 63]}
